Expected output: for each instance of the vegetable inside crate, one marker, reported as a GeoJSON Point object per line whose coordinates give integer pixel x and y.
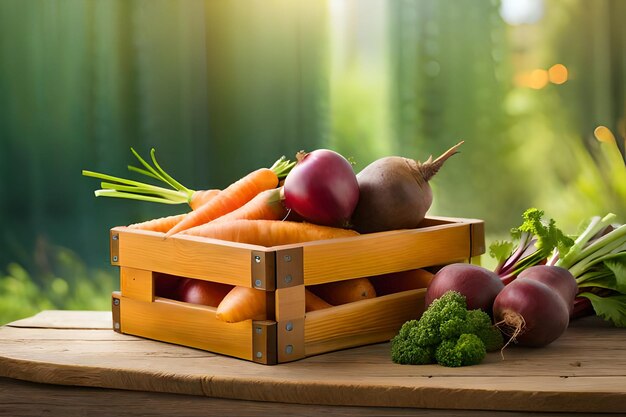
{"type": "Point", "coordinates": [283, 276]}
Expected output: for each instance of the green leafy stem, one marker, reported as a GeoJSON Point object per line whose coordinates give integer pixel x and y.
{"type": "Point", "coordinates": [118, 187]}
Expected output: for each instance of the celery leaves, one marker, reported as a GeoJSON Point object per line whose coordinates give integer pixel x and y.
{"type": "Point", "coordinates": [612, 308]}
{"type": "Point", "coordinates": [533, 242]}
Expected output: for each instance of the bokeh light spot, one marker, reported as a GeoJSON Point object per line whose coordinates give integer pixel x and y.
{"type": "Point", "coordinates": [538, 79]}
{"type": "Point", "coordinates": [558, 74]}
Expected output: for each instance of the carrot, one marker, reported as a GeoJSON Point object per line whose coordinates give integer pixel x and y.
{"type": "Point", "coordinates": [162, 224]}
{"type": "Point", "coordinates": [178, 194]}
{"type": "Point", "coordinates": [266, 205]}
{"type": "Point", "coordinates": [268, 232]}
{"type": "Point", "coordinates": [343, 292]}
{"type": "Point", "coordinates": [125, 188]}
{"type": "Point", "coordinates": [312, 302]}
{"type": "Point", "coordinates": [200, 197]}
{"type": "Point", "coordinates": [401, 281]}
{"type": "Point", "coordinates": [234, 196]}
{"type": "Point", "coordinates": [242, 303]}
{"type": "Point", "coordinates": [229, 199]}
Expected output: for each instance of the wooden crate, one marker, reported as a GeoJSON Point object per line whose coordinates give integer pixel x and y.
{"type": "Point", "coordinates": [282, 272]}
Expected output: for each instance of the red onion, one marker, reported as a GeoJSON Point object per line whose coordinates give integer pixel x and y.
{"type": "Point", "coordinates": [322, 188]}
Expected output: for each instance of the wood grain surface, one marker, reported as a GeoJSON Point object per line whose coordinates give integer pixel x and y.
{"type": "Point", "coordinates": [584, 371]}
{"type": "Point", "coordinates": [27, 399]}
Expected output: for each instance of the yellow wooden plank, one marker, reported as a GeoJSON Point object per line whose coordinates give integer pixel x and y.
{"type": "Point", "coordinates": [381, 253]}
{"type": "Point", "coordinates": [188, 256]}
{"type": "Point", "coordinates": [186, 324]}
{"type": "Point", "coordinates": [360, 323]}
{"type": "Point", "coordinates": [137, 284]}
{"type": "Point", "coordinates": [290, 303]}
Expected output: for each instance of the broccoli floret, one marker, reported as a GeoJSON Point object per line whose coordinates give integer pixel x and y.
{"type": "Point", "coordinates": [492, 338]}
{"type": "Point", "coordinates": [468, 349]}
{"type": "Point", "coordinates": [445, 301]}
{"type": "Point", "coordinates": [406, 328]}
{"type": "Point", "coordinates": [405, 352]}
{"type": "Point", "coordinates": [479, 323]}
{"type": "Point", "coordinates": [446, 315]}
{"type": "Point", "coordinates": [453, 328]}
{"type": "Point", "coordinates": [405, 348]}
{"type": "Point", "coordinates": [447, 334]}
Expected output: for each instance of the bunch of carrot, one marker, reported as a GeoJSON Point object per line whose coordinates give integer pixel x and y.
{"type": "Point", "coordinates": [250, 210]}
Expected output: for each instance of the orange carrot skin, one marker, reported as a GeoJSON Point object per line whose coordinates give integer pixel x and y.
{"type": "Point", "coordinates": [267, 205]}
{"type": "Point", "coordinates": [401, 281]}
{"type": "Point", "coordinates": [162, 224]}
{"type": "Point", "coordinates": [200, 197]}
{"type": "Point", "coordinates": [268, 232]}
{"type": "Point", "coordinates": [242, 303]}
{"type": "Point", "coordinates": [312, 302]}
{"type": "Point", "coordinates": [343, 292]}
{"type": "Point", "coordinates": [234, 196]}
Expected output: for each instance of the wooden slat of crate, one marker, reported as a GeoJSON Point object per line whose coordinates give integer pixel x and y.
{"type": "Point", "coordinates": [290, 311]}
{"type": "Point", "coordinates": [186, 324]}
{"type": "Point", "coordinates": [137, 284]}
{"type": "Point", "coordinates": [187, 256]}
{"type": "Point", "coordinates": [381, 253]}
{"type": "Point", "coordinates": [360, 323]}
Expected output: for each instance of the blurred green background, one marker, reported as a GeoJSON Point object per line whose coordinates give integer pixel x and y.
{"type": "Point", "coordinates": [223, 87]}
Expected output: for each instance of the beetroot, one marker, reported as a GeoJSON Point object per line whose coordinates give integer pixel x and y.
{"type": "Point", "coordinates": [479, 285]}
{"type": "Point", "coordinates": [534, 309]}
{"type": "Point", "coordinates": [394, 193]}
{"type": "Point", "coordinates": [560, 279]}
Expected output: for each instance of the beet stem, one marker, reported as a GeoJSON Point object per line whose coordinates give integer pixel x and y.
{"type": "Point", "coordinates": [582, 308]}
{"type": "Point", "coordinates": [429, 168]}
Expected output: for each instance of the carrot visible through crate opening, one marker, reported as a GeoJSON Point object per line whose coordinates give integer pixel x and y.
{"type": "Point", "coordinates": [236, 303]}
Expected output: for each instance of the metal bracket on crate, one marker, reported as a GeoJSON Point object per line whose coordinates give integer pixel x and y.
{"type": "Point", "coordinates": [115, 247]}
{"type": "Point", "coordinates": [264, 342]}
{"type": "Point", "coordinates": [115, 310]}
{"type": "Point", "coordinates": [289, 268]}
{"type": "Point", "coordinates": [263, 266]}
{"type": "Point", "coordinates": [290, 339]}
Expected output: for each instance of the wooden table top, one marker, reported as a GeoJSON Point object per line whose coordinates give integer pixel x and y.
{"type": "Point", "coordinates": [583, 371]}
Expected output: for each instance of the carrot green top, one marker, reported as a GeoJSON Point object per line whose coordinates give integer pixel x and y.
{"type": "Point", "coordinates": [177, 193]}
